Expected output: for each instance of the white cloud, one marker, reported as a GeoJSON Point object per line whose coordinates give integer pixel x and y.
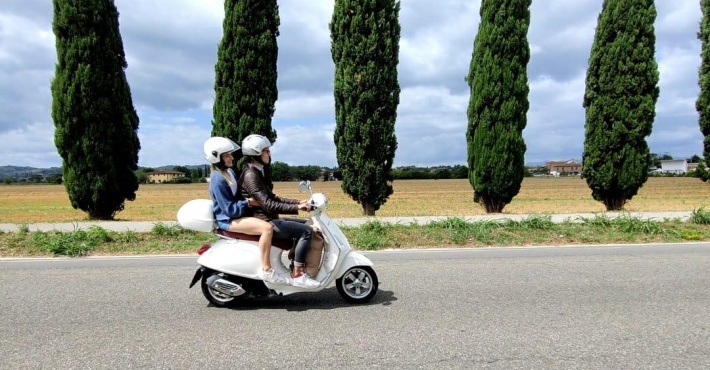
{"type": "Point", "coordinates": [577, 36]}
{"type": "Point", "coordinates": [555, 126]}
{"type": "Point", "coordinates": [24, 80]}
{"type": "Point", "coordinates": [431, 127]}
{"type": "Point", "coordinates": [295, 104]}
{"type": "Point", "coordinates": [568, 92]}
{"type": "Point", "coordinates": [678, 65]}
{"type": "Point", "coordinates": [678, 16]}
{"type": "Point", "coordinates": [305, 145]}
{"type": "Point", "coordinates": [431, 100]}
{"type": "Point", "coordinates": [32, 145]}
{"type": "Point", "coordinates": [173, 141]}
{"type": "Point", "coordinates": [171, 47]}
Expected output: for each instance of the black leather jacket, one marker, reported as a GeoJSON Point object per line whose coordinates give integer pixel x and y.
{"type": "Point", "coordinates": [253, 185]}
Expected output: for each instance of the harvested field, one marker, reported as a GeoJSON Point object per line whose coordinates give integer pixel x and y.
{"type": "Point", "coordinates": [157, 202]}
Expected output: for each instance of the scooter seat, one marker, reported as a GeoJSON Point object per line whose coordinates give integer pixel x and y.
{"type": "Point", "coordinates": [284, 244]}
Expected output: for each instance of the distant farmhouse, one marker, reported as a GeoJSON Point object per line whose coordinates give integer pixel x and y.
{"type": "Point", "coordinates": [676, 166]}
{"type": "Point", "coordinates": [157, 177]}
{"type": "Point", "coordinates": [565, 168]}
{"type": "Point", "coordinates": [574, 168]}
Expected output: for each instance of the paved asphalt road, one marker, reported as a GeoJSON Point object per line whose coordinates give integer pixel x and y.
{"type": "Point", "coordinates": [606, 307]}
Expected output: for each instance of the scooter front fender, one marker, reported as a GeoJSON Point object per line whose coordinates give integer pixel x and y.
{"type": "Point", "coordinates": [351, 260]}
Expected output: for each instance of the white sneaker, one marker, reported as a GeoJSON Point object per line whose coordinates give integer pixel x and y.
{"type": "Point", "coordinates": [272, 276]}
{"type": "Point", "coordinates": [305, 281]}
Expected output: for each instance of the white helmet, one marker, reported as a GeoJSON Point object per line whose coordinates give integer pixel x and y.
{"type": "Point", "coordinates": [214, 147]}
{"type": "Point", "coordinates": [254, 144]}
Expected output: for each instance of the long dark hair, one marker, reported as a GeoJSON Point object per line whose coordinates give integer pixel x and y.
{"type": "Point", "coordinates": [222, 167]}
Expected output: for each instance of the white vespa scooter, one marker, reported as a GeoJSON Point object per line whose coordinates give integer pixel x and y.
{"type": "Point", "coordinates": [228, 266]}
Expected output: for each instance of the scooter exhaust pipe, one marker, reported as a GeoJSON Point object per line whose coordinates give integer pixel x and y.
{"type": "Point", "coordinates": [225, 286]}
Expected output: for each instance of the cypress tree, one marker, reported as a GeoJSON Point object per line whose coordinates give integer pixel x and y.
{"type": "Point", "coordinates": [703, 103]}
{"type": "Point", "coordinates": [95, 122]}
{"type": "Point", "coordinates": [365, 50]}
{"type": "Point", "coordinates": [499, 103]}
{"type": "Point", "coordinates": [620, 99]}
{"type": "Point", "coordinates": [245, 73]}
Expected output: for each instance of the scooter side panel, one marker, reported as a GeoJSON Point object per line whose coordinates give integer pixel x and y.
{"type": "Point", "coordinates": [334, 230]}
{"type": "Point", "coordinates": [330, 253]}
{"type": "Point", "coordinates": [235, 257]}
{"type": "Point", "coordinates": [337, 244]}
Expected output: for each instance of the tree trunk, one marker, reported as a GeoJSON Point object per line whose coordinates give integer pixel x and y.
{"type": "Point", "coordinates": [368, 209]}
{"type": "Point", "coordinates": [614, 203]}
{"type": "Point", "coordinates": [103, 214]}
{"type": "Point", "coordinates": [492, 205]}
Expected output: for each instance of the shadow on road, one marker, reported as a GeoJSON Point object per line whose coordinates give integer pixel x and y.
{"type": "Point", "coordinates": [326, 299]}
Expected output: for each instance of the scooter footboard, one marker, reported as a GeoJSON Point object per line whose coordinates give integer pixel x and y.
{"type": "Point", "coordinates": [351, 260]}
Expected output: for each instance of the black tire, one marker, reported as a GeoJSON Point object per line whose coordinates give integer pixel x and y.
{"type": "Point", "coordinates": [216, 298]}
{"type": "Point", "coordinates": [358, 285]}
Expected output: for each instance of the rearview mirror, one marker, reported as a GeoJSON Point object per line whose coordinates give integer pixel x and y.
{"type": "Point", "coordinates": [304, 186]}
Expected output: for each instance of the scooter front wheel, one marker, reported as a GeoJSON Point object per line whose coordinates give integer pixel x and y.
{"type": "Point", "coordinates": [358, 284]}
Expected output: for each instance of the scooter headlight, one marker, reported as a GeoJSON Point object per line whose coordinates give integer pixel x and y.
{"type": "Point", "coordinates": [319, 201]}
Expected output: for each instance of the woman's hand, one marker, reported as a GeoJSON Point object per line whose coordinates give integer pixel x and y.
{"type": "Point", "coordinates": [253, 202]}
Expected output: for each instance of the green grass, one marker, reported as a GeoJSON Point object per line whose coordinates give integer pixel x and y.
{"type": "Point", "coordinates": [98, 241]}
{"type": "Point", "coordinates": [374, 235]}
{"type": "Point", "coordinates": [534, 230]}
{"type": "Point", "coordinates": [700, 216]}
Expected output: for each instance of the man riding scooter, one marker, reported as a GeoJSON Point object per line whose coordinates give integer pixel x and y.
{"type": "Point", "coordinates": [255, 149]}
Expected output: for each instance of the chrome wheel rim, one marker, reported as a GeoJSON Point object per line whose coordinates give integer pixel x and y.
{"type": "Point", "coordinates": [219, 296]}
{"type": "Point", "coordinates": [357, 283]}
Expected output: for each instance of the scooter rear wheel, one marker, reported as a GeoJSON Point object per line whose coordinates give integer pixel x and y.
{"type": "Point", "coordinates": [358, 285]}
{"type": "Point", "coordinates": [215, 297]}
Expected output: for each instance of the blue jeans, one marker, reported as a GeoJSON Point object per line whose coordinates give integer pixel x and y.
{"type": "Point", "coordinates": [294, 229]}
{"type": "Point", "coordinates": [223, 225]}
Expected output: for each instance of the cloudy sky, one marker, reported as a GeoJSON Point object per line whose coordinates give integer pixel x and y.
{"type": "Point", "coordinates": [171, 46]}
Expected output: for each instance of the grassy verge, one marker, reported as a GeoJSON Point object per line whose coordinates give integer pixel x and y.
{"type": "Point", "coordinates": [375, 235]}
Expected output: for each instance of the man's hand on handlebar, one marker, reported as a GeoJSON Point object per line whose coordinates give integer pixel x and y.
{"type": "Point", "coordinates": [304, 205]}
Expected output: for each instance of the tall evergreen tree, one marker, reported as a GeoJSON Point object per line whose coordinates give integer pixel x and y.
{"type": "Point", "coordinates": [365, 50]}
{"type": "Point", "coordinates": [92, 109]}
{"type": "Point", "coordinates": [499, 102]}
{"type": "Point", "coordinates": [703, 103]}
{"type": "Point", "coordinates": [620, 99]}
{"type": "Point", "coordinates": [245, 73]}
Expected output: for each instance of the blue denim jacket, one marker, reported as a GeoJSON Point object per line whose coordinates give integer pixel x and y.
{"type": "Point", "coordinates": [226, 206]}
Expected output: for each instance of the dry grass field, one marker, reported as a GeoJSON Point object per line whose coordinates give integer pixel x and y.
{"type": "Point", "coordinates": [49, 203]}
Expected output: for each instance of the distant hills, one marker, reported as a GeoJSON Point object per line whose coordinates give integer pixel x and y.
{"type": "Point", "coordinates": [18, 172]}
